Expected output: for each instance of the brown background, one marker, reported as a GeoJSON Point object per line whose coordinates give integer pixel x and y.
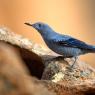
{"type": "Point", "coordinates": [72, 17]}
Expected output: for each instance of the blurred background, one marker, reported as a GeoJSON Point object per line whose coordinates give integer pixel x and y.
{"type": "Point", "coordinates": [71, 17]}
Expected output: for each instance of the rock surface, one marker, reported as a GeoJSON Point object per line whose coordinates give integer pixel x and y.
{"type": "Point", "coordinates": [14, 76]}
{"type": "Point", "coordinates": [54, 73]}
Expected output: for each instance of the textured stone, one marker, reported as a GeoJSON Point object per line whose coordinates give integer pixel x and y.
{"type": "Point", "coordinates": [53, 71]}
{"type": "Point", "coordinates": [14, 76]}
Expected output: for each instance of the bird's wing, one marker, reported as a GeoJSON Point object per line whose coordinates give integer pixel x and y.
{"type": "Point", "coordinates": [71, 42]}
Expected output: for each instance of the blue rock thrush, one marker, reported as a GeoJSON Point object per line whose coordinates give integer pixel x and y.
{"type": "Point", "coordinates": [64, 45]}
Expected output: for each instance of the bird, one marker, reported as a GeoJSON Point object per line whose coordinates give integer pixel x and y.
{"type": "Point", "coordinates": [61, 44]}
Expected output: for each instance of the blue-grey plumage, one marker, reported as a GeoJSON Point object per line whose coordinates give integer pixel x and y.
{"type": "Point", "coordinates": [62, 44]}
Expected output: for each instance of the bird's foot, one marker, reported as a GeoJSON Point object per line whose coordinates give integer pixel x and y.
{"type": "Point", "coordinates": [71, 67]}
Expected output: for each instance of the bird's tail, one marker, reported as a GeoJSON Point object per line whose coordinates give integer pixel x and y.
{"type": "Point", "coordinates": [92, 49]}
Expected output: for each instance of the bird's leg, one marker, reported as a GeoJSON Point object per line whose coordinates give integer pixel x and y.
{"type": "Point", "coordinates": [74, 62]}
{"type": "Point", "coordinates": [72, 66]}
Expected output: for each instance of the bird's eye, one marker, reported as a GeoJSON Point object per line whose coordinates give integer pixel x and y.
{"type": "Point", "coordinates": [39, 25]}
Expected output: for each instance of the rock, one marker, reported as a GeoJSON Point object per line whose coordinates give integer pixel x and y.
{"type": "Point", "coordinates": [30, 53]}
{"type": "Point", "coordinates": [14, 76]}
{"type": "Point", "coordinates": [52, 71]}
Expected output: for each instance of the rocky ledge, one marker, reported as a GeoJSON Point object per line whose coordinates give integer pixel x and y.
{"type": "Point", "coordinates": [29, 69]}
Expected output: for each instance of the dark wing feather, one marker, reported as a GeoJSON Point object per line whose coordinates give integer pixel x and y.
{"type": "Point", "coordinates": [72, 42]}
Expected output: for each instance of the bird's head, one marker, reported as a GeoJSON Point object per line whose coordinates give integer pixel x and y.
{"type": "Point", "coordinates": [42, 28]}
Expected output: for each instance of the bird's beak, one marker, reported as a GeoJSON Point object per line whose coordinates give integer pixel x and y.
{"type": "Point", "coordinates": [29, 24]}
